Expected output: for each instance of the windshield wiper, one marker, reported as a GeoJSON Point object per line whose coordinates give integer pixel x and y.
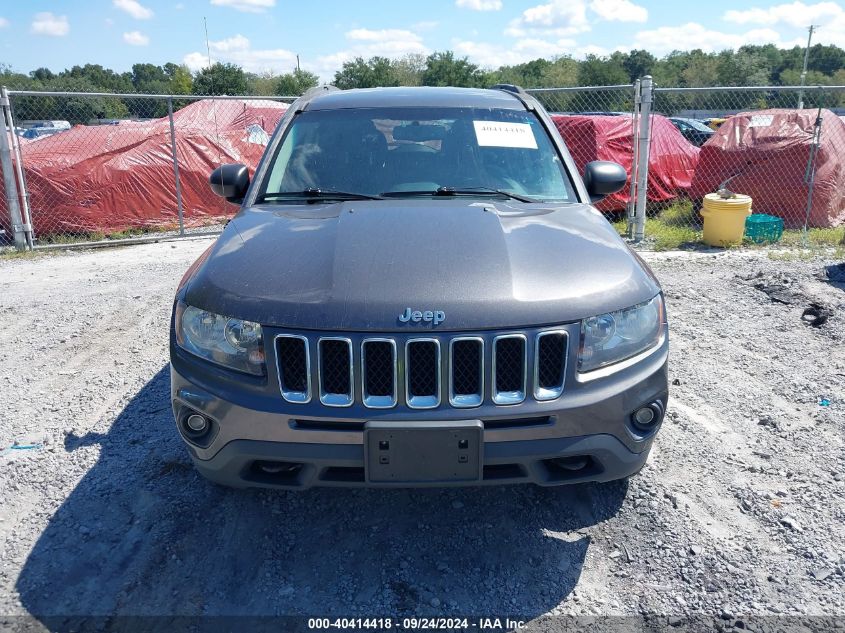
{"type": "Point", "coordinates": [314, 194]}
{"type": "Point", "coordinates": [457, 191]}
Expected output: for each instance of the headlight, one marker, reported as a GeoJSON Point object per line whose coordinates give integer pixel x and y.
{"type": "Point", "coordinates": [615, 336]}
{"type": "Point", "coordinates": [234, 343]}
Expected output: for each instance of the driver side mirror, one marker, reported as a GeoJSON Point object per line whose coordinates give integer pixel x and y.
{"type": "Point", "coordinates": [602, 178]}
{"type": "Point", "coordinates": [230, 182]}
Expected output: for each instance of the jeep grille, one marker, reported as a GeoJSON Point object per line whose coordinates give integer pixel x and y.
{"type": "Point", "coordinates": [422, 372]}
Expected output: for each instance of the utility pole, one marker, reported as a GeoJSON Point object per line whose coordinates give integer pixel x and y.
{"type": "Point", "coordinates": [811, 28]}
{"type": "Point", "coordinates": [297, 64]}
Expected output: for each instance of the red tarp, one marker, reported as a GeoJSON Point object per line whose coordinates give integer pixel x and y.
{"type": "Point", "coordinates": [112, 177]}
{"type": "Point", "coordinates": [672, 159]}
{"type": "Point", "coordinates": [770, 150]}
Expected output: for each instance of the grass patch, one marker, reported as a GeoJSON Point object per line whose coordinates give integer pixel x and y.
{"type": "Point", "coordinates": [663, 234]}
{"type": "Point", "coordinates": [680, 213]}
{"type": "Point", "coordinates": [815, 237]}
{"type": "Point", "coordinates": [666, 236]}
{"type": "Point", "coordinates": [71, 238]}
{"type": "Point", "coordinates": [11, 253]}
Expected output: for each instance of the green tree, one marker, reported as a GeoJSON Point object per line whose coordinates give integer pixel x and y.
{"type": "Point", "coordinates": [220, 79]}
{"type": "Point", "coordinates": [638, 64]}
{"type": "Point", "coordinates": [826, 59]}
{"type": "Point", "coordinates": [443, 69]}
{"type": "Point", "coordinates": [370, 73]}
{"type": "Point", "coordinates": [701, 71]}
{"type": "Point", "coordinates": [146, 75]}
{"type": "Point", "coordinates": [408, 70]}
{"type": "Point", "coordinates": [295, 83]}
{"type": "Point", "coordinates": [180, 79]}
{"type": "Point", "coordinates": [263, 84]}
{"type": "Point", "coordinates": [602, 71]}
{"type": "Point", "coordinates": [100, 79]}
{"type": "Point", "coordinates": [42, 74]}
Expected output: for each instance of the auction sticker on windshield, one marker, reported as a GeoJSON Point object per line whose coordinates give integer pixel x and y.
{"type": "Point", "coordinates": [504, 134]}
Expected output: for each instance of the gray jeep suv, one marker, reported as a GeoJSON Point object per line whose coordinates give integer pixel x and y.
{"type": "Point", "coordinates": [417, 292]}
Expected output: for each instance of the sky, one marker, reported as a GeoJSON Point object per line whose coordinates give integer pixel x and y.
{"type": "Point", "coordinates": [267, 35]}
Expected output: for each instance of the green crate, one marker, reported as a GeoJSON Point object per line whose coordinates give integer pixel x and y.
{"type": "Point", "coordinates": [763, 229]}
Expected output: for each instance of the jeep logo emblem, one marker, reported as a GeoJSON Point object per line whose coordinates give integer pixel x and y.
{"type": "Point", "coordinates": [435, 317]}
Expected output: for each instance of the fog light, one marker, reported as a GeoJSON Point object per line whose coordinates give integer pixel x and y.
{"type": "Point", "coordinates": [197, 423]}
{"type": "Point", "coordinates": [644, 416]}
{"type": "Point", "coordinates": [647, 417]}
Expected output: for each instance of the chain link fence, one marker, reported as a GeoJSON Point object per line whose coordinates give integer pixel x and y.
{"type": "Point", "coordinates": [782, 145]}
{"type": "Point", "coordinates": [88, 177]}
{"type": "Point", "coordinates": [96, 166]}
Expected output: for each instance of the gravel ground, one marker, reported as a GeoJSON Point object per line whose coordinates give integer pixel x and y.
{"type": "Point", "coordinates": [738, 515]}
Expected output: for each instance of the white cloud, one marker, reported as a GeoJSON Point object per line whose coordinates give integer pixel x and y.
{"type": "Point", "coordinates": [133, 8]}
{"type": "Point", "coordinates": [692, 35]}
{"type": "Point", "coordinates": [558, 18]}
{"type": "Point", "coordinates": [3, 23]}
{"type": "Point", "coordinates": [238, 50]}
{"type": "Point", "coordinates": [619, 10]}
{"type": "Point", "coordinates": [368, 43]}
{"type": "Point", "coordinates": [247, 6]}
{"type": "Point", "coordinates": [136, 38]}
{"type": "Point", "coordinates": [179, 6]}
{"type": "Point", "coordinates": [494, 55]}
{"type": "Point", "coordinates": [479, 5]}
{"type": "Point", "coordinates": [795, 14]}
{"type": "Point", "coordinates": [45, 23]}
{"type": "Point", "coordinates": [795, 17]}
{"type": "Point", "coordinates": [425, 25]}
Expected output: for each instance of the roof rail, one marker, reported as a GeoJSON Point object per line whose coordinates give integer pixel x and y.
{"type": "Point", "coordinates": [517, 91]}
{"type": "Point", "coordinates": [508, 88]}
{"type": "Point", "coordinates": [312, 93]}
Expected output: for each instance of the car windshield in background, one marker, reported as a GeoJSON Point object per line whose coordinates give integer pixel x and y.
{"type": "Point", "coordinates": [416, 152]}
{"type": "Point", "coordinates": [697, 125]}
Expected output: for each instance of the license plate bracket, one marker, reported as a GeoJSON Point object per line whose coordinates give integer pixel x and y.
{"type": "Point", "coordinates": [425, 452]}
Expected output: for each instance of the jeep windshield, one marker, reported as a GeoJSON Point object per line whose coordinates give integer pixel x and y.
{"type": "Point", "coordinates": [424, 152]}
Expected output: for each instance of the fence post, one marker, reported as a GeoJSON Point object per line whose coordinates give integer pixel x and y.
{"type": "Point", "coordinates": [632, 192]}
{"type": "Point", "coordinates": [18, 227]}
{"type": "Point", "coordinates": [21, 178]}
{"type": "Point", "coordinates": [175, 166]}
{"type": "Point", "coordinates": [644, 143]}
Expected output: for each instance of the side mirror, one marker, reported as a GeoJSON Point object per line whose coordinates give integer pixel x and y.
{"type": "Point", "coordinates": [230, 182]}
{"type": "Point", "coordinates": [602, 178]}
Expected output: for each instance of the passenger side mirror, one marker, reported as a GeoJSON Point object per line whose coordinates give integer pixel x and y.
{"type": "Point", "coordinates": [602, 178]}
{"type": "Point", "coordinates": [230, 182]}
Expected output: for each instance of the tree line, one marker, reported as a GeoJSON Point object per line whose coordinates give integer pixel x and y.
{"type": "Point", "coordinates": [752, 65]}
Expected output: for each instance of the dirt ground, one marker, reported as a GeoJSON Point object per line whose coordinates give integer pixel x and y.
{"type": "Point", "coordinates": [738, 516]}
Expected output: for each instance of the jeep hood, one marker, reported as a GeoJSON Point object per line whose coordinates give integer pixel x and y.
{"type": "Point", "coordinates": [358, 265]}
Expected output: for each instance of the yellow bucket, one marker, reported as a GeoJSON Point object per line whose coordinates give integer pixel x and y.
{"type": "Point", "coordinates": [724, 219]}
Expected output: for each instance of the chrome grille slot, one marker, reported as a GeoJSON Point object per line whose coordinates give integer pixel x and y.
{"type": "Point", "coordinates": [422, 373]}
{"type": "Point", "coordinates": [334, 364]}
{"type": "Point", "coordinates": [466, 371]}
{"type": "Point", "coordinates": [384, 371]}
{"type": "Point", "coordinates": [378, 373]}
{"type": "Point", "coordinates": [549, 364]}
{"type": "Point", "coordinates": [509, 368]}
{"type": "Point", "coordinates": [294, 367]}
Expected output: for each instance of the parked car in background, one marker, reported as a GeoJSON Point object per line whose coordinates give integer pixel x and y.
{"type": "Point", "coordinates": [418, 291]}
{"type": "Point", "coordinates": [45, 128]}
{"type": "Point", "coordinates": [693, 130]}
{"type": "Point", "coordinates": [714, 123]}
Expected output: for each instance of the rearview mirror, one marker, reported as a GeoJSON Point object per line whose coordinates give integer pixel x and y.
{"type": "Point", "coordinates": [230, 182]}
{"type": "Point", "coordinates": [602, 178]}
